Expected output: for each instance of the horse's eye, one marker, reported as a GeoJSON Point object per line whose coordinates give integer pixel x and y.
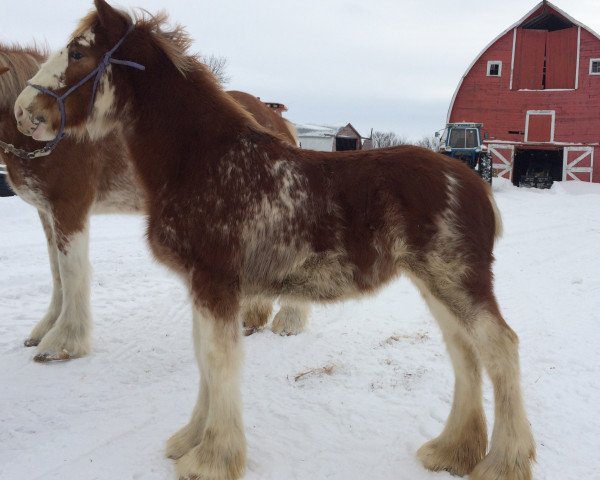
{"type": "Point", "coordinates": [75, 55]}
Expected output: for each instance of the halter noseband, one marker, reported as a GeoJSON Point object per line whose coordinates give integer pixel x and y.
{"type": "Point", "coordinates": [60, 99]}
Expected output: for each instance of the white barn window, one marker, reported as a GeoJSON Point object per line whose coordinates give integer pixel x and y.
{"type": "Point", "coordinates": [594, 66]}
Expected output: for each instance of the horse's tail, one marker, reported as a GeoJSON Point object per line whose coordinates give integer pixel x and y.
{"type": "Point", "coordinates": [499, 228]}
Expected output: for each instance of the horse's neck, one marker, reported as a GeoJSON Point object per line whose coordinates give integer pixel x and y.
{"type": "Point", "coordinates": [181, 129]}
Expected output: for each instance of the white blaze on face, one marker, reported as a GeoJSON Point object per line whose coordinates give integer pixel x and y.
{"type": "Point", "coordinates": [50, 75]}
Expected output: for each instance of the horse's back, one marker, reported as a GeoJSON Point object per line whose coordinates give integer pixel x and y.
{"type": "Point", "coordinates": [415, 184]}
{"type": "Point", "coordinates": [265, 116]}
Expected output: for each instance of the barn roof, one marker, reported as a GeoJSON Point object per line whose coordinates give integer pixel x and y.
{"type": "Point", "coordinates": [544, 13]}
{"type": "Point", "coordinates": [311, 130]}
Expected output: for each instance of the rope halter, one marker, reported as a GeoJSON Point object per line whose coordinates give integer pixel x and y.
{"type": "Point", "coordinates": [98, 72]}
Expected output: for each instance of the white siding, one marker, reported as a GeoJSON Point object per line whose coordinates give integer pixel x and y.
{"type": "Point", "coordinates": [322, 144]}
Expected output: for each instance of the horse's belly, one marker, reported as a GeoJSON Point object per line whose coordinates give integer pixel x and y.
{"type": "Point", "coordinates": [326, 276]}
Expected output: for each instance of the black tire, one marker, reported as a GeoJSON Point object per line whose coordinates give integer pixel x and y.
{"type": "Point", "coordinates": [485, 167]}
{"type": "Point", "coordinates": [5, 190]}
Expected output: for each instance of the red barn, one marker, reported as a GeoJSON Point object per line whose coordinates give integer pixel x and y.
{"type": "Point", "coordinates": [536, 89]}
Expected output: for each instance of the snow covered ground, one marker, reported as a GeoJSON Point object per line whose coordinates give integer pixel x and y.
{"type": "Point", "coordinates": [389, 383]}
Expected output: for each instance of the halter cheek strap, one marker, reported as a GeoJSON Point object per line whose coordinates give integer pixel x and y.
{"type": "Point", "coordinates": [106, 61]}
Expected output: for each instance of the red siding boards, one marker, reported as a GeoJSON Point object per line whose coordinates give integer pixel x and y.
{"type": "Point", "coordinates": [539, 127]}
{"type": "Point", "coordinates": [561, 58]}
{"type": "Point", "coordinates": [530, 51]}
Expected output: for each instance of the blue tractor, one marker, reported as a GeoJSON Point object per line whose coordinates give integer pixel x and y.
{"type": "Point", "coordinates": [5, 190]}
{"type": "Point", "coordinates": [463, 141]}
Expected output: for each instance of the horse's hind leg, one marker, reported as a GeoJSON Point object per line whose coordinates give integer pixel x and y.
{"type": "Point", "coordinates": [513, 447]}
{"type": "Point", "coordinates": [49, 319]}
{"type": "Point", "coordinates": [481, 333]}
{"type": "Point", "coordinates": [463, 442]}
{"type": "Point", "coordinates": [70, 335]}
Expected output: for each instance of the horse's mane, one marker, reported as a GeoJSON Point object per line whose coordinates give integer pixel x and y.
{"type": "Point", "coordinates": [174, 42]}
{"type": "Point", "coordinates": [23, 63]}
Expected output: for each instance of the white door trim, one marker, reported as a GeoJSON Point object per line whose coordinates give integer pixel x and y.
{"type": "Point", "coordinates": [569, 168]}
{"type": "Point", "coordinates": [505, 167]}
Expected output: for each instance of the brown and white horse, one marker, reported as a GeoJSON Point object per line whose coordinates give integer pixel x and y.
{"type": "Point", "coordinates": [240, 214]}
{"type": "Point", "coordinates": [83, 178]}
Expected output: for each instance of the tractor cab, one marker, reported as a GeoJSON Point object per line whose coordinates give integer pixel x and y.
{"type": "Point", "coordinates": [464, 142]}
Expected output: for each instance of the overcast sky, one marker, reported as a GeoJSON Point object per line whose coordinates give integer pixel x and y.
{"type": "Point", "coordinates": [381, 64]}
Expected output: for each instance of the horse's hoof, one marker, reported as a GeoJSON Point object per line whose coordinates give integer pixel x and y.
{"type": "Point", "coordinates": [250, 330]}
{"type": "Point", "coordinates": [52, 357]}
{"type": "Point", "coordinates": [31, 342]}
{"type": "Point", "coordinates": [288, 322]}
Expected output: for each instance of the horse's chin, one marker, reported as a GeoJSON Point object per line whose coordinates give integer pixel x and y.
{"type": "Point", "coordinates": [42, 133]}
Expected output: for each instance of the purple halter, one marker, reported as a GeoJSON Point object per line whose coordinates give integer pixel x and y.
{"type": "Point", "coordinates": [60, 99]}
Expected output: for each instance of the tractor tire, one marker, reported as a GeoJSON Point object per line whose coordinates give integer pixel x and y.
{"type": "Point", "coordinates": [485, 167]}
{"type": "Point", "coordinates": [5, 190]}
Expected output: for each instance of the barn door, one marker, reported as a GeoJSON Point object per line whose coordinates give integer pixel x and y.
{"type": "Point", "coordinates": [539, 126]}
{"type": "Point", "coordinates": [561, 58]}
{"type": "Point", "coordinates": [529, 58]}
{"type": "Point", "coordinates": [578, 163]}
{"type": "Point", "coordinates": [544, 59]}
{"type": "Point", "coordinates": [502, 159]}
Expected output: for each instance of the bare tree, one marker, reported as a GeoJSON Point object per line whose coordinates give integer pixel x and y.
{"type": "Point", "coordinates": [381, 139]}
{"type": "Point", "coordinates": [387, 139]}
{"type": "Point", "coordinates": [217, 65]}
{"type": "Point", "coordinates": [429, 142]}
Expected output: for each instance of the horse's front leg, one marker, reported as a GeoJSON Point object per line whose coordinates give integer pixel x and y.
{"type": "Point", "coordinates": [49, 319]}
{"type": "Point", "coordinates": [191, 435]}
{"type": "Point", "coordinates": [216, 431]}
{"type": "Point", "coordinates": [69, 336]}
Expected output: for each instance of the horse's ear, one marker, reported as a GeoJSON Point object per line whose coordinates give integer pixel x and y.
{"type": "Point", "coordinates": [4, 70]}
{"type": "Point", "coordinates": [108, 17]}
